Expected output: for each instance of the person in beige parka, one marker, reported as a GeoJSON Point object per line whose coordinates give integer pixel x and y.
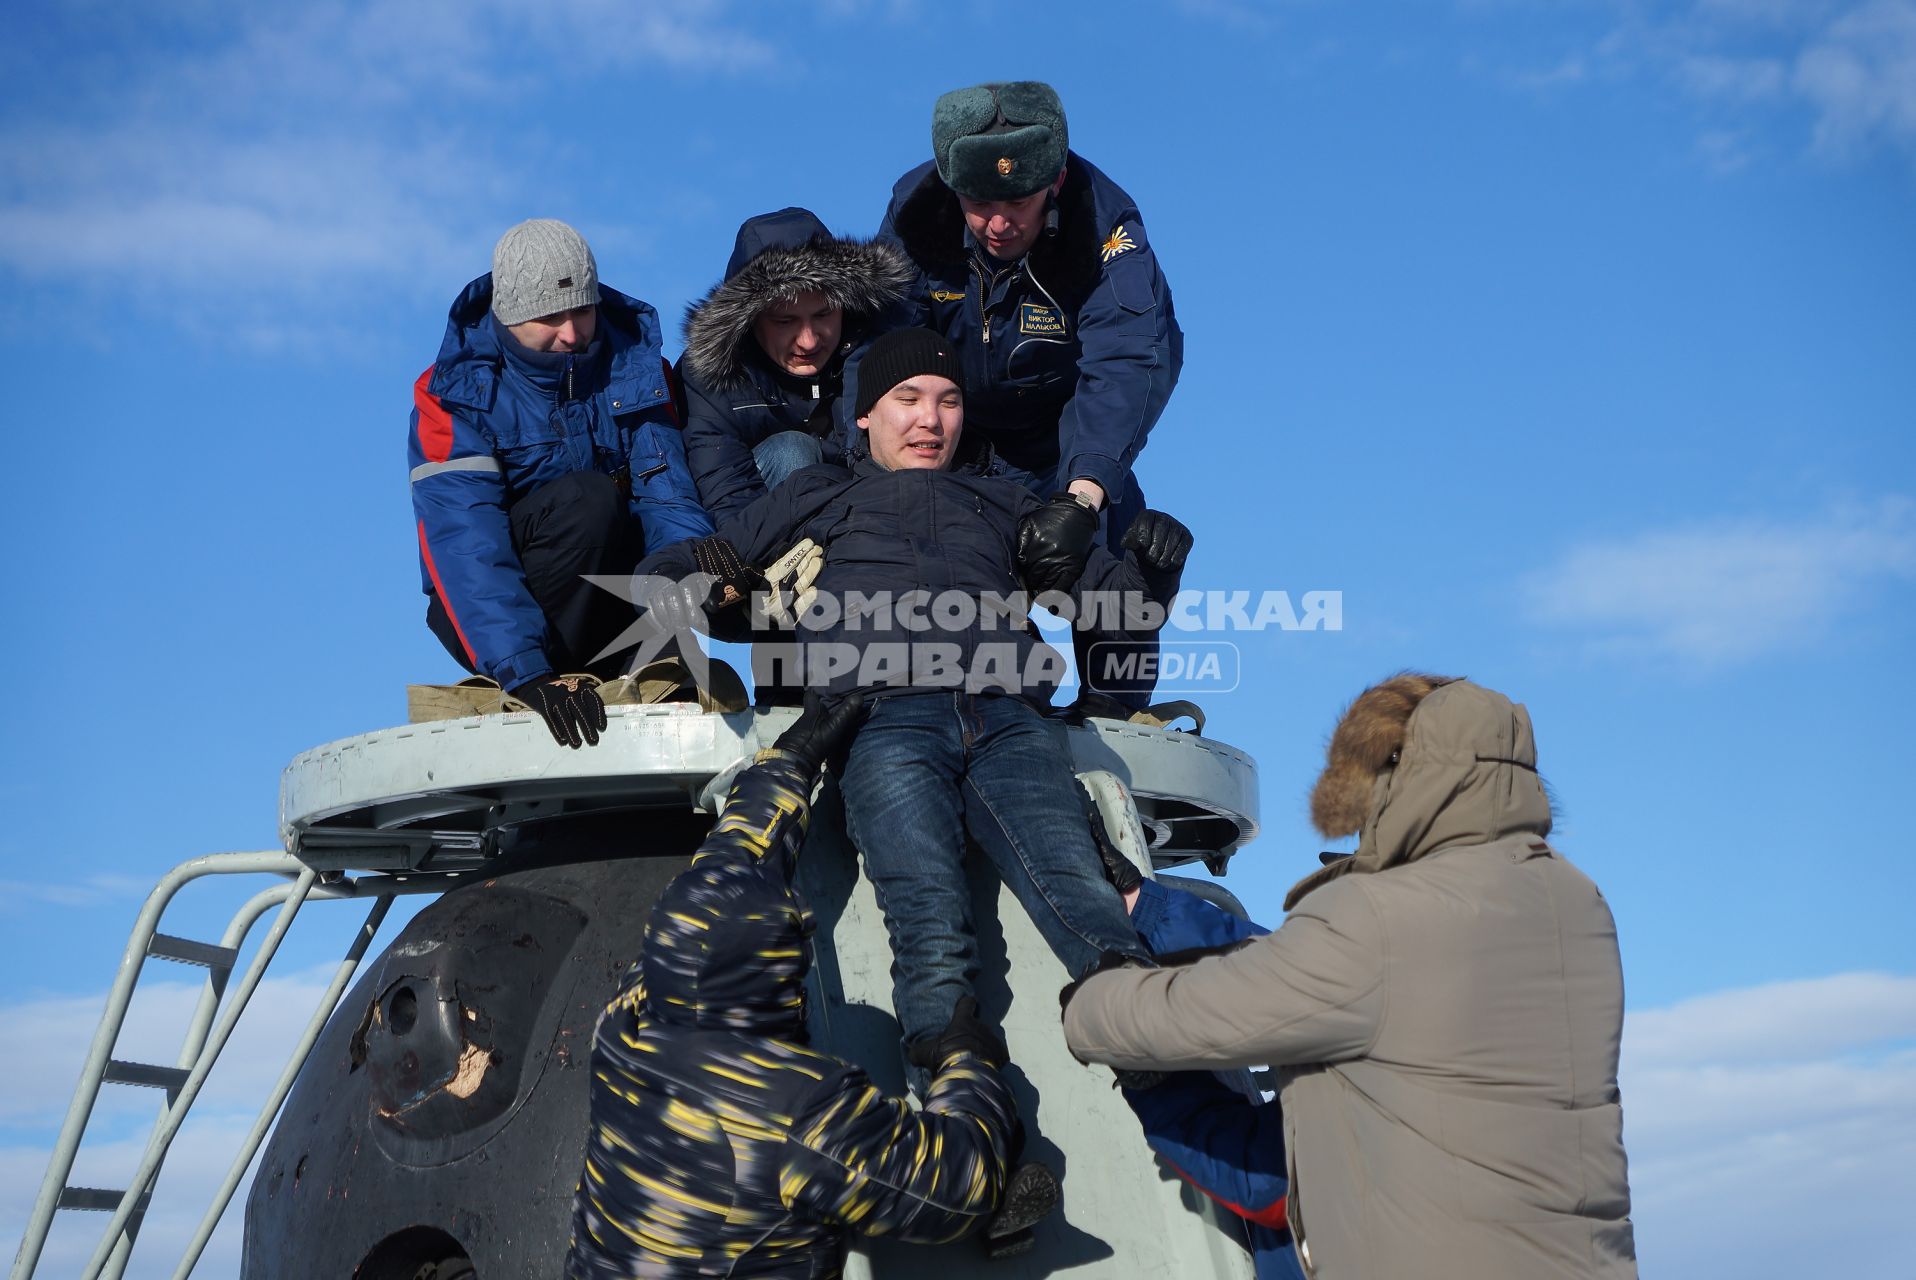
{"type": "Point", "coordinates": [1443, 1008]}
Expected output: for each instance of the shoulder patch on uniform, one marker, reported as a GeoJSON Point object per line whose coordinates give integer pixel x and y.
{"type": "Point", "coordinates": [946, 295]}
{"type": "Point", "coordinates": [1120, 242]}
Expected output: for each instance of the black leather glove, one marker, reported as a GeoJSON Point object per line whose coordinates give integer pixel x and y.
{"type": "Point", "coordinates": [736, 579]}
{"type": "Point", "coordinates": [965, 1033]}
{"type": "Point", "coordinates": [1054, 542]}
{"type": "Point", "coordinates": [1109, 960]}
{"type": "Point", "coordinates": [571, 708]}
{"type": "Point", "coordinates": [1160, 540]}
{"type": "Point", "coordinates": [673, 606]}
{"type": "Point", "coordinates": [1118, 869]}
{"type": "Point", "coordinates": [824, 728]}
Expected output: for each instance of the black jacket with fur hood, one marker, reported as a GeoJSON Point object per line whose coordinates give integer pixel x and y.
{"type": "Point", "coordinates": [736, 396]}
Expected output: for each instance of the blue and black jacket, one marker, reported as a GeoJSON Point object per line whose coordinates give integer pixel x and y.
{"type": "Point", "coordinates": [493, 420]}
{"type": "Point", "coordinates": [1071, 353]}
{"type": "Point", "coordinates": [1227, 1145]}
{"type": "Point", "coordinates": [735, 396]}
{"type": "Point", "coordinates": [719, 1143]}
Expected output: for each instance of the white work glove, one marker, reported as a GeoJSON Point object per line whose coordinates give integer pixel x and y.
{"type": "Point", "coordinates": [788, 582]}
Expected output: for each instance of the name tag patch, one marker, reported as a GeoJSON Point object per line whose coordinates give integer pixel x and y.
{"type": "Point", "coordinates": [1040, 322]}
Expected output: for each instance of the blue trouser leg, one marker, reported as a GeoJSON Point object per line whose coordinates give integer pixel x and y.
{"type": "Point", "coordinates": [926, 770]}
{"type": "Point", "coordinates": [780, 454]}
{"type": "Point", "coordinates": [901, 785]}
{"type": "Point", "coordinates": [1024, 808]}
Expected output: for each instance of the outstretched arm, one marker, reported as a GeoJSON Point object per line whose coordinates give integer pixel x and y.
{"type": "Point", "coordinates": [1311, 992]}
{"type": "Point", "coordinates": [870, 1163]}
{"type": "Point", "coordinates": [769, 805]}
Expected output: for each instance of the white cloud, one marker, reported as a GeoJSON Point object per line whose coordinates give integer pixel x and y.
{"type": "Point", "coordinates": [1846, 67]}
{"type": "Point", "coordinates": [1824, 1015]}
{"type": "Point", "coordinates": [1860, 74]}
{"type": "Point", "coordinates": [40, 1085]}
{"type": "Point", "coordinates": [84, 891]}
{"type": "Point", "coordinates": [1769, 1129]}
{"type": "Point", "coordinates": [197, 158]}
{"type": "Point", "coordinates": [194, 1170]}
{"type": "Point", "coordinates": [1726, 592]}
{"type": "Point", "coordinates": [1851, 65]}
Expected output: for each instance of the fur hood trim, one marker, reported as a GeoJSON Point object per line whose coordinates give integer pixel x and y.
{"type": "Point", "coordinates": [863, 277]}
{"type": "Point", "coordinates": [1366, 742]}
{"type": "Point", "coordinates": [1421, 764]}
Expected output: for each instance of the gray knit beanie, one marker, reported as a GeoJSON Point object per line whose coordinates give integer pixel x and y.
{"type": "Point", "coordinates": [540, 268]}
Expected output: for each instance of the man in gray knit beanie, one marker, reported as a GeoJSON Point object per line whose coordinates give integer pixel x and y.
{"type": "Point", "coordinates": [543, 273]}
{"type": "Point", "coordinates": [545, 451]}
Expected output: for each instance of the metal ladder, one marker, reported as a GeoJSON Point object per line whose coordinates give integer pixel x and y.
{"type": "Point", "coordinates": [212, 1023]}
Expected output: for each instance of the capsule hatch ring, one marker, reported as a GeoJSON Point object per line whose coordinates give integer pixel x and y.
{"type": "Point", "coordinates": [417, 1253]}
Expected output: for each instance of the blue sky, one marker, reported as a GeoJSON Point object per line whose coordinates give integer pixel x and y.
{"type": "Point", "coordinates": [1571, 342]}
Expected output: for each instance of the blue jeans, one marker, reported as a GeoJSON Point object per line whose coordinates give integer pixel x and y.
{"type": "Point", "coordinates": [926, 770]}
{"type": "Point", "coordinates": [781, 453]}
{"type": "Point", "coordinates": [1120, 510]}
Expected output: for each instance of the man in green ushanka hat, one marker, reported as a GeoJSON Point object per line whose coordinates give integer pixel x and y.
{"type": "Point", "coordinates": [1036, 266]}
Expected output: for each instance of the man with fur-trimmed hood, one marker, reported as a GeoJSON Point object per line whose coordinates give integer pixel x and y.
{"type": "Point", "coordinates": [765, 353]}
{"type": "Point", "coordinates": [1443, 1006]}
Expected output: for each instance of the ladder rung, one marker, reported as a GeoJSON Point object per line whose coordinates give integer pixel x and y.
{"type": "Point", "coordinates": [97, 1201]}
{"type": "Point", "coordinates": [146, 1075]}
{"type": "Point", "coordinates": [187, 951]}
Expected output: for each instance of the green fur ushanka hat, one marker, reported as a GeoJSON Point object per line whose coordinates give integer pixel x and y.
{"type": "Point", "coordinates": [999, 141]}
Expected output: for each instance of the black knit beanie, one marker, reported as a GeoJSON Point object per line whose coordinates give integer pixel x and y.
{"type": "Point", "coordinates": [902, 354]}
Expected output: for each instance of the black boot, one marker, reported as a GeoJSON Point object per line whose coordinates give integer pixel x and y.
{"type": "Point", "coordinates": [1031, 1193]}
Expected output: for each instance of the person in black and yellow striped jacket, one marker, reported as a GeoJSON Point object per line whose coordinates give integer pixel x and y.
{"type": "Point", "coordinates": [720, 1144]}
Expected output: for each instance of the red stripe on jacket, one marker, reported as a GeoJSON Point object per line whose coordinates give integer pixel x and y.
{"type": "Point", "coordinates": [432, 571]}
{"type": "Point", "coordinates": [675, 388]}
{"type": "Point", "coordinates": [435, 424]}
{"type": "Point", "coordinates": [1276, 1216]}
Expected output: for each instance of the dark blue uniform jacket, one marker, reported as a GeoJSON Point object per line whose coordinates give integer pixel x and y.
{"type": "Point", "coordinates": [1071, 353]}
{"type": "Point", "coordinates": [493, 420]}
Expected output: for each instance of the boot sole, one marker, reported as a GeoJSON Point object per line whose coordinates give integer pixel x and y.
{"type": "Point", "coordinates": [1031, 1197]}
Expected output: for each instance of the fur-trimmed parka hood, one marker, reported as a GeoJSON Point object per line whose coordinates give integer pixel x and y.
{"type": "Point", "coordinates": [1421, 763]}
{"type": "Point", "coordinates": [779, 256]}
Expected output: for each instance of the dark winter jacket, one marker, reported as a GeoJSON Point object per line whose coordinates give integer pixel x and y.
{"type": "Point", "coordinates": [493, 420]}
{"type": "Point", "coordinates": [1071, 353]}
{"type": "Point", "coordinates": [719, 1143]}
{"type": "Point", "coordinates": [896, 542]}
{"type": "Point", "coordinates": [736, 396]}
{"type": "Point", "coordinates": [1226, 1144]}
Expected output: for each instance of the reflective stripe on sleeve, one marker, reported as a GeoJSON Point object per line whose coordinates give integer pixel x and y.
{"type": "Point", "coordinates": [478, 462]}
